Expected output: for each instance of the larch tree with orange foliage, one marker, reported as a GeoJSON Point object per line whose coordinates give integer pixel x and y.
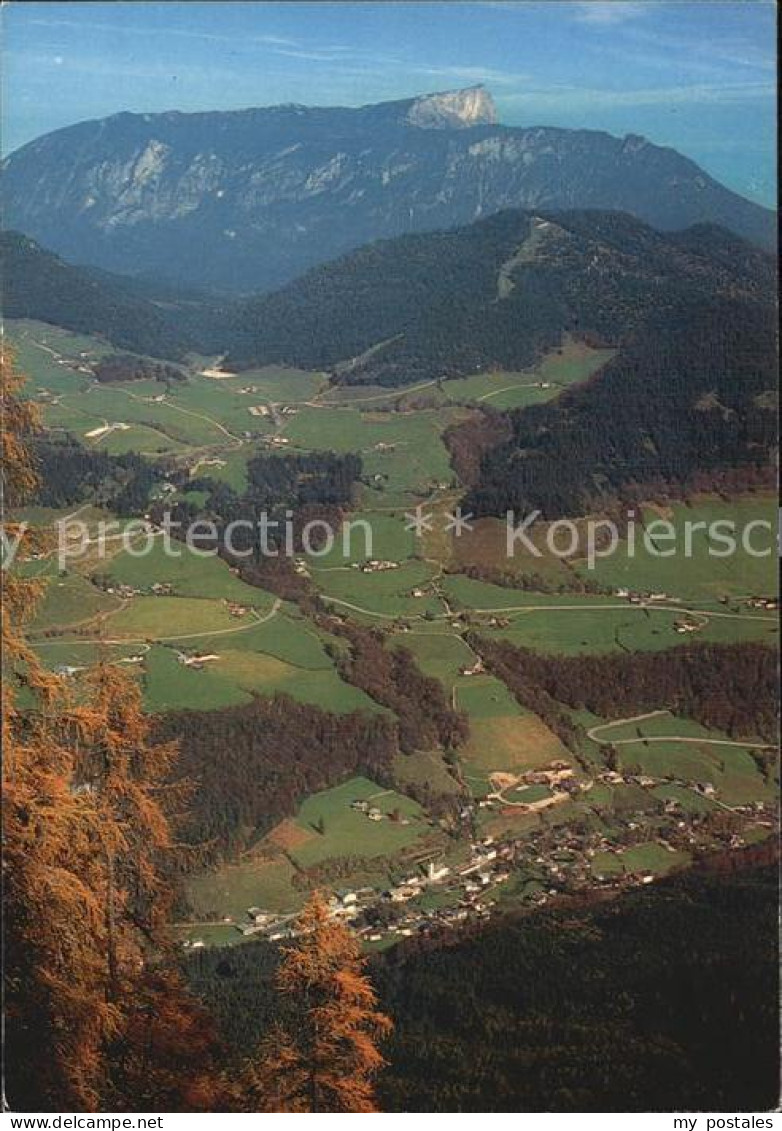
{"type": "Point", "coordinates": [326, 1057]}
{"type": "Point", "coordinates": [95, 1017]}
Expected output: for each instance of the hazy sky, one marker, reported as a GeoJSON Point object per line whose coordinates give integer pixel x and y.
{"type": "Point", "coordinates": [699, 76]}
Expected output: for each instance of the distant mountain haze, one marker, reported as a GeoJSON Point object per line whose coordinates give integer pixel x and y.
{"type": "Point", "coordinates": [247, 200]}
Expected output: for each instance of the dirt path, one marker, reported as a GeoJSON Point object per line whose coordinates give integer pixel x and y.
{"type": "Point", "coordinates": [255, 621]}
{"type": "Point", "coordinates": [594, 734]}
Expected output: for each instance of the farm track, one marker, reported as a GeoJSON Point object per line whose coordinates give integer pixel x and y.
{"type": "Point", "coordinates": [254, 622]}
{"type": "Point", "coordinates": [561, 608]}
{"type": "Point", "coordinates": [594, 734]}
{"type": "Point", "coordinates": [238, 441]}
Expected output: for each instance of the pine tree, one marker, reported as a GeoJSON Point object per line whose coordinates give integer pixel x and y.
{"type": "Point", "coordinates": [325, 1057]}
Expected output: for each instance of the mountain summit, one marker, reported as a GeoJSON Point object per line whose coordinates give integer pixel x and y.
{"type": "Point", "coordinates": [453, 109]}
{"type": "Point", "coordinates": [246, 200]}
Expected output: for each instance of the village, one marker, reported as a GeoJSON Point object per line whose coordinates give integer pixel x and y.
{"type": "Point", "coordinates": [495, 873]}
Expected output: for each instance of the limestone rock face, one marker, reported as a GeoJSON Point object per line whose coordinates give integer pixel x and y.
{"type": "Point", "coordinates": [454, 109]}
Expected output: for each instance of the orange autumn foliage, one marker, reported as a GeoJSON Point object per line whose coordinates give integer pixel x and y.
{"type": "Point", "coordinates": [326, 1058]}
{"type": "Point", "coordinates": [94, 1014]}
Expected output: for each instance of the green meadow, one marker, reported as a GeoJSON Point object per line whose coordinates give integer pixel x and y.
{"type": "Point", "coordinates": [188, 572]}
{"type": "Point", "coordinates": [574, 363]}
{"type": "Point", "coordinates": [699, 570]}
{"type": "Point", "coordinates": [388, 594]}
{"type": "Point", "coordinates": [346, 832]}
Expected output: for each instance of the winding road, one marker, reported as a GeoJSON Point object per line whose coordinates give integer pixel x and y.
{"type": "Point", "coordinates": [595, 734]}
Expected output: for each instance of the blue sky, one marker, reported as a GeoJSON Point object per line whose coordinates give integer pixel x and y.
{"type": "Point", "coordinates": [699, 76]}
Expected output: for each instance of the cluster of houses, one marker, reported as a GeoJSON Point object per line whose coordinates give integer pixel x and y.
{"type": "Point", "coordinates": [769, 603]}
{"type": "Point", "coordinates": [197, 660]}
{"type": "Point", "coordinates": [270, 410]}
{"type": "Point", "coordinates": [235, 609]}
{"type": "Point", "coordinates": [123, 590]}
{"type": "Point", "coordinates": [374, 565]}
{"type": "Point", "coordinates": [372, 813]}
{"type": "Point", "coordinates": [156, 589]}
{"type": "Point", "coordinates": [642, 597]}
{"type": "Point", "coordinates": [546, 862]}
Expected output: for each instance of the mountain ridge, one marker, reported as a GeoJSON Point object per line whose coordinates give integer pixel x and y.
{"type": "Point", "coordinates": [246, 200]}
{"type": "Point", "coordinates": [492, 294]}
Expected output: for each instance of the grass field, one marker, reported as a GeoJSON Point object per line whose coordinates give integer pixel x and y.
{"type": "Point", "coordinates": [574, 363]}
{"type": "Point", "coordinates": [509, 743]}
{"type": "Point", "coordinates": [628, 628]}
{"type": "Point", "coordinates": [166, 618]}
{"type": "Point", "coordinates": [651, 857]}
{"type": "Point", "coordinates": [365, 535]}
{"type": "Point", "coordinates": [233, 888]}
{"type": "Point", "coordinates": [425, 767]}
{"type": "Point", "coordinates": [81, 652]}
{"type": "Point", "coordinates": [350, 833]}
{"type": "Point", "coordinates": [386, 595]}
{"type": "Point", "coordinates": [486, 546]}
{"type": "Point", "coordinates": [698, 574]}
{"type": "Point", "coordinates": [71, 600]}
{"type": "Point", "coordinates": [283, 654]}
{"type": "Point", "coordinates": [190, 574]}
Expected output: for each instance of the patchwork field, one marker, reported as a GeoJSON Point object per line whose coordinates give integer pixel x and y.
{"type": "Point", "coordinates": [209, 641]}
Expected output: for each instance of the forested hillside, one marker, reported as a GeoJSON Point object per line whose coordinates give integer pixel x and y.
{"type": "Point", "coordinates": [689, 403]}
{"type": "Point", "coordinates": [664, 1000]}
{"type": "Point", "coordinates": [494, 294]}
{"type": "Point", "coordinates": [38, 284]}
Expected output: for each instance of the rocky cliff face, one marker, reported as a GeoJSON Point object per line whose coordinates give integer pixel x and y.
{"type": "Point", "coordinates": [453, 109]}
{"type": "Point", "coordinates": [245, 200]}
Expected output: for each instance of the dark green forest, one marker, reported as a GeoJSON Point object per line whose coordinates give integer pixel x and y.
{"type": "Point", "coordinates": [70, 473]}
{"type": "Point", "coordinates": [38, 284]}
{"type": "Point", "coordinates": [494, 294]}
{"type": "Point", "coordinates": [690, 396]}
{"type": "Point", "coordinates": [665, 1000]}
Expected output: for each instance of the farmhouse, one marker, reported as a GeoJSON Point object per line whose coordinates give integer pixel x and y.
{"type": "Point", "coordinates": [196, 661]}
{"type": "Point", "coordinates": [376, 566]}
